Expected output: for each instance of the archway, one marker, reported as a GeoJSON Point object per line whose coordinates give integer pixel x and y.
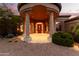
{"type": "Point", "coordinates": [44, 13]}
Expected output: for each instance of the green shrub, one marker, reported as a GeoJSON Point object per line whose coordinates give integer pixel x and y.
{"type": "Point", "coordinates": [9, 36]}
{"type": "Point", "coordinates": [64, 39]}
{"type": "Point", "coordinates": [75, 36]}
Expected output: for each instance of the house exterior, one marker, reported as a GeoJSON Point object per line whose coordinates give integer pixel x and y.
{"type": "Point", "coordinates": [44, 18]}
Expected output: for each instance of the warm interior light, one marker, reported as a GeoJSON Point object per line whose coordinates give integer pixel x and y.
{"type": "Point", "coordinates": [36, 38]}
{"type": "Point", "coordinates": [21, 28]}
{"type": "Point", "coordinates": [39, 23]}
{"type": "Point", "coordinates": [76, 47]}
{"type": "Point", "coordinates": [57, 22]}
{"type": "Point", "coordinates": [39, 12]}
{"type": "Point", "coordinates": [39, 38]}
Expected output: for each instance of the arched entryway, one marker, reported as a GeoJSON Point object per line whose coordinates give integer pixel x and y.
{"type": "Point", "coordinates": [39, 27]}
{"type": "Point", "coordinates": [39, 20]}
{"type": "Point", "coordinates": [39, 24]}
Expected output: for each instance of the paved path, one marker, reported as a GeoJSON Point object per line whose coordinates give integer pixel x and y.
{"type": "Point", "coordinates": [39, 38]}
{"type": "Point", "coordinates": [34, 49]}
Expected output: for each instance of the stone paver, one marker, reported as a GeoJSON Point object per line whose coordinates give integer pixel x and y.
{"type": "Point", "coordinates": [35, 49]}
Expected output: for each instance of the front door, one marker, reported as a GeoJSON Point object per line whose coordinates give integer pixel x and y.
{"type": "Point", "coordinates": [39, 28]}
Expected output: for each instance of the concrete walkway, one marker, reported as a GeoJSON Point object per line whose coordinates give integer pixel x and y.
{"type": "Point", "coordinates": [35, 49]}
{"type": "Point", "coordinates": [39, 38]}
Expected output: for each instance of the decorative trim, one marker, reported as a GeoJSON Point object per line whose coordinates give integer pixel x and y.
{"type": "Point", "coordinates": [56, 4]}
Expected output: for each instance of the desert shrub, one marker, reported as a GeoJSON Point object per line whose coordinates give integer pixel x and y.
{"type": "Point", "coordinates": [63, 38]}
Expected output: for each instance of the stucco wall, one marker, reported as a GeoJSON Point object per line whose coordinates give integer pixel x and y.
{"type": "Point", "coordinates": [71, 25]}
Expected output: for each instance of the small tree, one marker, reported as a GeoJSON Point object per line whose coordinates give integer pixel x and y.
{"type": "Point", "coordinates": [9, 22]}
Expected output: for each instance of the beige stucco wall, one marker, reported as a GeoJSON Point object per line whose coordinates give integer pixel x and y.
{"type": "Point", "coordinates": [61, 24]}
{"type": "Point", "coordinates": [71, 25]}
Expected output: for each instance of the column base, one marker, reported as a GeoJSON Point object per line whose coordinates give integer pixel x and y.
{"type": "Point", "coordinates": [50, 39]}
{"type": "Point", "coordinates": [27, 38]}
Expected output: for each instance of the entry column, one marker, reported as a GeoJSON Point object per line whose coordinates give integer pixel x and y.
{"type": "Point", "coordinates": [52, 28]}
{"type": "Point", "coordinates": [63, 26]}
{"type": "Point", "coordinates": [27, 38]}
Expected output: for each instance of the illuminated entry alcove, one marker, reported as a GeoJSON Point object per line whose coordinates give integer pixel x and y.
{"type": "Point", "coordinates": [39, 20]}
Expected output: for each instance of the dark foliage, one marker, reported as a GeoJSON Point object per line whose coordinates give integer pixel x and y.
{"type": "Point", "coordinates": [63, 38]}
